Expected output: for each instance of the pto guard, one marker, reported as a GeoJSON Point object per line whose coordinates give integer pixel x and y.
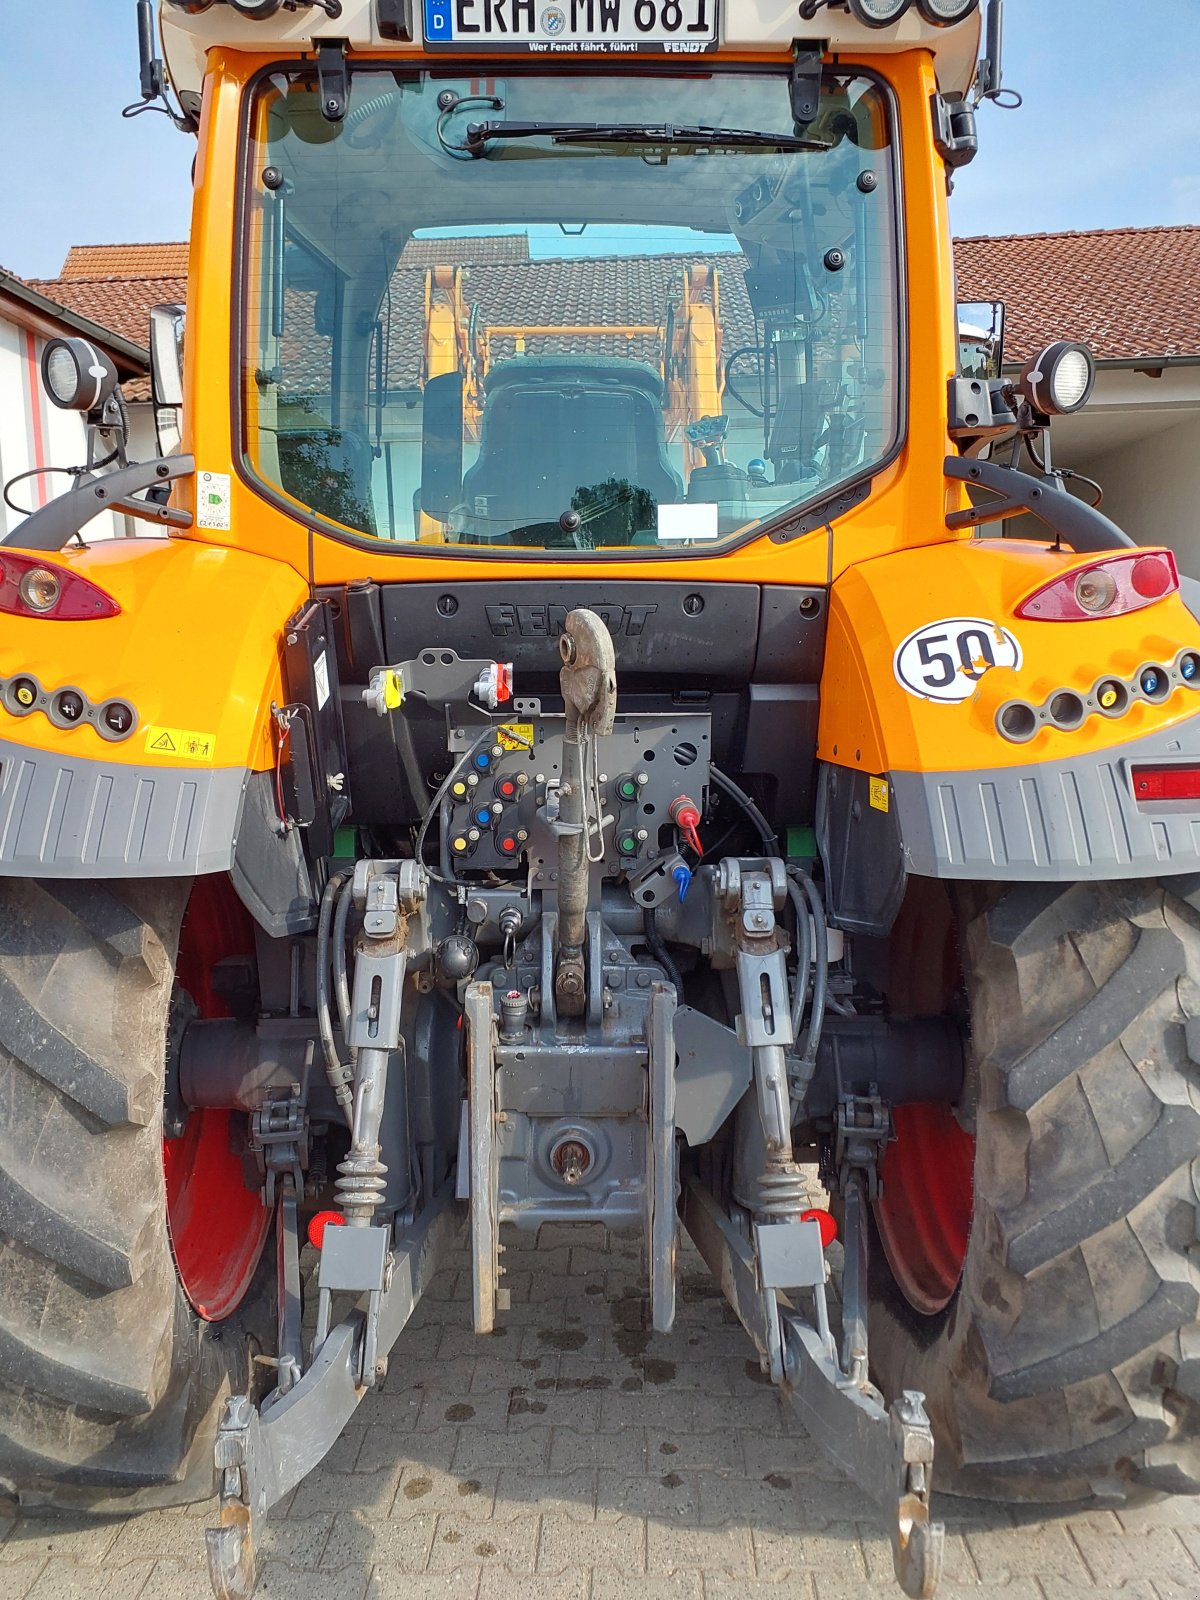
{"type": "Point", "coordinates": [925, 652]}
{"type": "Point", "coordinates": [195, 651]}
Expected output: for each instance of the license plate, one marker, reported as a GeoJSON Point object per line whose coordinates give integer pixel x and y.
{"type": "Point", "coordinates": [573, 27]}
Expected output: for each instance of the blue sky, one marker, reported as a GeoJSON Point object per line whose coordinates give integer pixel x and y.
{"type": "Point", "coordinates": [1109, 135]}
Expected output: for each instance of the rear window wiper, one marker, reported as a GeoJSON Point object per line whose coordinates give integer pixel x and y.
{"type": "Point", "coordinates": [479, 134]}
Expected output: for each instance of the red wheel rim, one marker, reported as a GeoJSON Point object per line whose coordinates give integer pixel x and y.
{"type": "Point", "coordinates": [218, 1227]}
{"type": "Point", "coordinates": [924, 1213]}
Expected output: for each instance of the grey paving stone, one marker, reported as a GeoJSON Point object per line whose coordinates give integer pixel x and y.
{"type": "Point", "coordinates": [670, 1496]}
{"type": "Point", "coordinates": [20, 1576]}
{"type": "Point", "coordinates": [1046, 1552]}
{"type": "Point", "coordinates": [425, 1491]}
{"type": "Point", "coordinates": [396, 1583]}
{"type": "Point", "coordinates": [671, 1548]}
{"type": "Point", "coordinates": [570, 1449]}
{"type": "Point", "coordinates": [837, 1550]}
{"type": "Point", "coordinates": [552, 1235]}
{"type": "Point", "coordinates": [567, 1544]}
{"type": "Point", "coordinates": [359, 1541]}
{"type": "Point", "coordinates": [172, 1579]}
{"type": "Point", "coordinates": [60, 1579]}
{"type": "Point", "coordinates": [556, 1494]}
{"type": "Point", "coordinates": [382, 1449]}
{"type": "Point", "coordinates": [512, 1545]}
{"type": "Point", "coordinates": [481, 1448]}
{"type": "Point", "coordinates": [610, 1585]}
{"type": "Point", "coordinates": [1162, 1553]}
{"type": "Point", "coordinates": [82, 1540]}
{"type": "Point", "coordinates": [720, 1586]}
{"type": "Point", "coordinates": [496, 1583]}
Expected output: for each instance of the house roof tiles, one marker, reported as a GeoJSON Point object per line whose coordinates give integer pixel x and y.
{"type": "Point", "coordinates": [1128, 293]}
{"type": "Point", "coordinates": [1124, 292]}
{"type": "Point", "coordinates": [126, 261]}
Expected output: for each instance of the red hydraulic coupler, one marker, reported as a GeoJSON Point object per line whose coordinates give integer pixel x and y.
{"type": "Point", "coordinates": [685, 814]}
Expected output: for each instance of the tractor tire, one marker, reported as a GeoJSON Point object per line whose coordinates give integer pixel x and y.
{"type": "Point", "coordinates": [1066, 1365]}
{"type": "Point", "coordinates": [110, 1386]}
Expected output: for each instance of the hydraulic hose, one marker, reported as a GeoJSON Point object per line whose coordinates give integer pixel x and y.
{"type": "Point", "coordinates": [816, 1021]}
{"type": "Point", "coordinates": [341, 977]}
{"type": "Point", "coordinates": [335, 1068]}
{"type": "Point", "coordinates": [803, 953]}
{"type": "Point", "coordinates": [740, 798]}
{"type": "Point", "coordinates": [656, 947]}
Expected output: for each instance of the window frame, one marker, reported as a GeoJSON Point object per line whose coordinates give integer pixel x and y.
{"type": "Point", "coordinates": [781, 527]}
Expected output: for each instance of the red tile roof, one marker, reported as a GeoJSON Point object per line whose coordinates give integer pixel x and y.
{"type": "Point", "coordinates": [122, 304]}
{"type": "Point", "coordinates": [464, 250]}
{"type": "Point", "coordinates": [1129, 293]}
{"type": "Point", "coordinates": [1125, 292]}
{"type": "Point", "coordinates": [126, 261]}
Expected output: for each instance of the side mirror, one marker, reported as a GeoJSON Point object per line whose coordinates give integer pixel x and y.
{"type": "Point", "coordinates": [981, 338]}
{"type": "Point", "coordinates": [442, 445]}
{"type": "Point", "coordinates": [166, 376]}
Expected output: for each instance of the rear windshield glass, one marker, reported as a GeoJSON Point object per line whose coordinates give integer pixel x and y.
{"type": "Point", "coordinates": [580, 313]}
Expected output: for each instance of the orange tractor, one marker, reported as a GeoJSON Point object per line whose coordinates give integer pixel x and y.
{"type": "Point", "coordinates": [613, 724]}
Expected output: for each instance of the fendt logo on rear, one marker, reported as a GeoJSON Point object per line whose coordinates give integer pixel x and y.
{"type": "Point", "coordinates": [547, 622]}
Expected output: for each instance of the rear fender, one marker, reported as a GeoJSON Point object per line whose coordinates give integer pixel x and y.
{"type": "Point", "coordinates": [196, 651]}
{"type": "Point", "coordinates": [925, 649]}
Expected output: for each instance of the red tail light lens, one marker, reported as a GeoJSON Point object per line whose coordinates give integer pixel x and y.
{"type": "Point", "coordinates": [30, 587]}
{"type": "Point", "coordinates": [1106, 588]}
{"type": "Point", "coordinates": [1166, 783]}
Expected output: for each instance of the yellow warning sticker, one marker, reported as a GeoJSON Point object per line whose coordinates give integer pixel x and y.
{"type": "Point", "coordinates": [181, 744]}
{"type": "Point", "coordinates": [515, 736]}
{"type": "Point", "coordinates": [879, 794]}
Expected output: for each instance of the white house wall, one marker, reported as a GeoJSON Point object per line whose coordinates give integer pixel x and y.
{"type": "Point", "coordinates": [34, 433]}
{"type": "Point", "coordinates": [1152, 490]}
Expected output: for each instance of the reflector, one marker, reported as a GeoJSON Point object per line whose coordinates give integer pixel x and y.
{"type": "Point", "coordinates": [1166, 783]}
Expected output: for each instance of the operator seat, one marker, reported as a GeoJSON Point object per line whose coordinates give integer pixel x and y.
{"type": "Point", "coordinates": [553, 425]}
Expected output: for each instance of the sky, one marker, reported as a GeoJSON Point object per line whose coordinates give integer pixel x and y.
{"type": "Point", "coordinates": [1109, 135]}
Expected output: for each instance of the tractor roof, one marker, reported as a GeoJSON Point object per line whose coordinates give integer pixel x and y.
{"type": "Point", "coordinates": [745, 25]}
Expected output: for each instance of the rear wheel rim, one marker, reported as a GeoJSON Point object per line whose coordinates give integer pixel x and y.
{"type": "Point", "coordinates": [924, 1213]}
{"type": "Point", "coordinates": [218, 1226]}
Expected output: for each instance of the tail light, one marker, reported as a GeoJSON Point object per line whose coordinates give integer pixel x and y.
{"type": "Point", "coordinates": [30, 587]}
{"type": "Point", "coordinates": [1107, 588]}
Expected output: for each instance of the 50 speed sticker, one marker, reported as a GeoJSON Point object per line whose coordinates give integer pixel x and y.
{"type": "Point", "coordinates": [945, 660]}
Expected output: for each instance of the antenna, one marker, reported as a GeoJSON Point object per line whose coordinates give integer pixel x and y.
{"type": "Point", "coordinates": [991, 68]}
{"type": "Point", "coordinates": [153, 80]}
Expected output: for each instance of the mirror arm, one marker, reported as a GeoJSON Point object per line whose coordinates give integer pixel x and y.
{"type": "Point", "coordinates": [54, 524]}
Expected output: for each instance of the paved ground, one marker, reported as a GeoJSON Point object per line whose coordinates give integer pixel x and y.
{"type": "Point", "coordinates": [575, 1457]}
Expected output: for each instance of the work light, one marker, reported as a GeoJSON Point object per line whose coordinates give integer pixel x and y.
{"type": "Point", "coordinates": [256, 10]}
{"type": "Point", "coordinates": [879, 13]}
{"type": "Point", "coordinates": [76, 375]}
{"type": "Point", "coordinates": [1059, 379]}
{"type": "Point", "coordinates": [945, 13]}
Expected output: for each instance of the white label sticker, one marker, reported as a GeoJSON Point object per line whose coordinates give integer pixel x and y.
{"type": "Point", "coordinates": [687, 522]}
{"type": "Point", "coordinates": [212, 500]}
{"type": "Point", "coordinates": [945, 660]}
{"type": "Point", "coordinates": [321, 678]}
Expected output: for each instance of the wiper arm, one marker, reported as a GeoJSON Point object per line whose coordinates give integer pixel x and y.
{"type": "Point", "coordinates": [480, 133]}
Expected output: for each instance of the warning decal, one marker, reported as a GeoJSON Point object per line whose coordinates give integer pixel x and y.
{"type": "Point", "coordinates": [879, 794]}
{"type": "Point", "coordinates": [181, 744]}
{"type": "Point", "coordinates": [515, 736]}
